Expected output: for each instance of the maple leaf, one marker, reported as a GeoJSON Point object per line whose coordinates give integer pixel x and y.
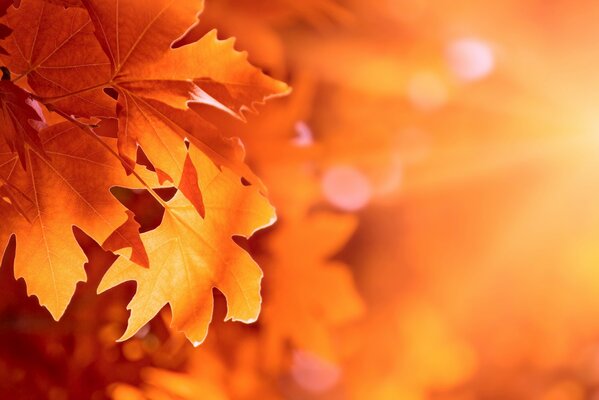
{"type": "Point", "coordinates": [189, 256]}
{"type": "Point", "coordinates": [66, 186]}
{"type": "Point", "coordinates": [301, 270]}
{"type": "Point", "coordinates": [20, 119]}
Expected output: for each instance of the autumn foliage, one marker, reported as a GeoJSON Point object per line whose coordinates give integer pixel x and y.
{"type": "Point", "coordinates": [395, 199]}
{"type": "Point", "coordinates": [97, 62]}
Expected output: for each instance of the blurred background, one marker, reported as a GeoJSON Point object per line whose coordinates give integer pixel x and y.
{"type": "Point", "coordinates": [436, 176]}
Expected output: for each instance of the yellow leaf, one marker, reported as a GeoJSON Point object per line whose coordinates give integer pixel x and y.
{"type": "Point", "coordinates": [189, 256]}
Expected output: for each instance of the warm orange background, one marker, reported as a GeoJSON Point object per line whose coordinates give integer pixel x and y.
{"type": "Point", "coordinates": [436, 176]}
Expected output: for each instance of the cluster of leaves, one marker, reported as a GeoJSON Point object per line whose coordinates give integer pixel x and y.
{"type": "Point", "coordinates": [403, 299]}
{"type": "Point", "coordinates": [439, 323]}
{"type": "Point", "coordinates": [98, 95]}
{"type": "Point", "coordinates": [153, 107]}
{"type": "Point", "coordinates": [173, 105]}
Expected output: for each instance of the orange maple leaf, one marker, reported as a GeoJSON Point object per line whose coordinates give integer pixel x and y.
{"type": "Point", "coordinates": [189, 256]}
{"type": "Point", "coordinates": [300, 272]}
{"type": "Point", "coordinates": [67, 185]}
